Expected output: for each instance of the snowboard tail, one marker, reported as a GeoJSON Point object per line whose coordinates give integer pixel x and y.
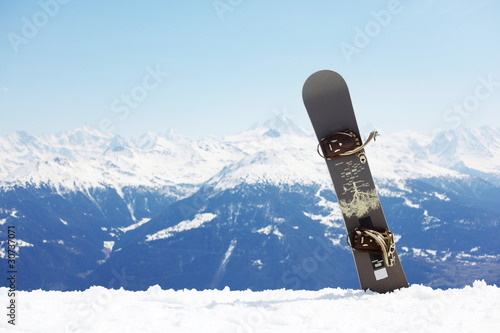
{"type": "Point", "coordinates": [328, 103]}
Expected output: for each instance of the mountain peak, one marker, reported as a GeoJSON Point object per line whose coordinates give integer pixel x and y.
{"type": "Point", "coordinates": [84, 135]}
{"type": "Point", "coordinates": [91, 131]}
{"type": "Point", "coordinates": [174, 135]}
{"type": "Point", "coordinates": [22, 136]}
{"type": "Point", "coordinates": [281, 123]}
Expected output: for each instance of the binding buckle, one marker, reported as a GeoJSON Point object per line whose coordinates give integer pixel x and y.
{"type": "Point", "coordinates": [374, 240]}
{"type": "Point", "coordinates": [344, 143]}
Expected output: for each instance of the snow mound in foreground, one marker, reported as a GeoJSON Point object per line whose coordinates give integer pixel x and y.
{"type": "Point", "coordinates": [415, 309]}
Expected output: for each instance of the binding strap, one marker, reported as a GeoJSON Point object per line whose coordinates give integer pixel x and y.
{"type": "Point", "coordinates": [374, 240]}
{"type": "Point", "coordinates": [343, 143]}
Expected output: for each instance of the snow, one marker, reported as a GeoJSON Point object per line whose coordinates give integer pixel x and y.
{"type": "Point", "coordinates": [108, 247]}
{"type": "Point", "coordinates": [441, 196]}
{"type": "Point", "coordinates": [277, 233]}
{"type": "Point", "coordinates": [333, 215]}
{"type": "Point", "coordinates": [270, 229]}
{"type": "Point", "coordinates": [276, 160]}
{"type": "Point", "coordinates": [12, 214]}
{"type": "Point", "coordinates": [257, 263]}
{"type": "Point", "coordinates": [222, 266]}
{"type": "Point", "coordinates": [411, 204]}
{"type": "Point", "coordinates": [228, 253]}
{"type": "Point", "coordinates": [414, 309]}
{"type": "Point", "coordinates": [135, 225]}
{"type": "Point", "coordinates": [433, 252]}
{"type": "Point", "coordinates": [446, 256]}
{"type": "Point", "coordinates": [266, 230]}
{"type": "Point", "coordinates": [197, 222]}
{"type": "Point", "coordinates": [21, 243]}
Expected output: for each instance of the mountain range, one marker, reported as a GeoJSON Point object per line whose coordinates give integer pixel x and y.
{"type": "Point", "coordinates": [254, 210]}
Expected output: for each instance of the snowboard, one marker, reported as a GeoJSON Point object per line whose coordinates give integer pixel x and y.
{"type": "Point", "coordinates": [328, 103]}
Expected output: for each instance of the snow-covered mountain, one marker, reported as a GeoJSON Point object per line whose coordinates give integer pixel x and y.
{"type": "Point", "coordinates": [158, 160]}
{"type": "Point", "coordinates": [248, 211]}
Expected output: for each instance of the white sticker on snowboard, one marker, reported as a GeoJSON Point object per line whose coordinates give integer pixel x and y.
{"type": "Point", "coordinates": [381, 274]}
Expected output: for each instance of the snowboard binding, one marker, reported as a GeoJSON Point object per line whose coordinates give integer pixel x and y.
{"type": "Point", "coordinates": [374, 240]}
{"type": "Point", "coordinates": [345, 143]}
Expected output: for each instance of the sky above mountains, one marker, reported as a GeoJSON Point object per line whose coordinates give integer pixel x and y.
{"type": "Point", "coordinates": [215, 67]}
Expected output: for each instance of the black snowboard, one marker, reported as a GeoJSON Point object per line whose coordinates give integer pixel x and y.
{"type": "Point", "coordinates": [329, 106]}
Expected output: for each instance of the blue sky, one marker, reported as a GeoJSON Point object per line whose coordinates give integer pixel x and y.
{"type": "Point", "coordinates": [217, 67]}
